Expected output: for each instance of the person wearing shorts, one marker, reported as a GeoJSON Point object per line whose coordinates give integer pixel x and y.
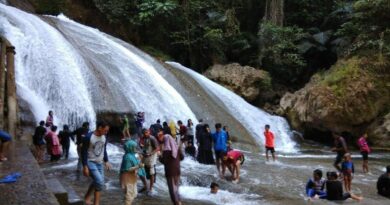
{"type": "Point", "coordinates": [269, 143]}
{"type": "Point", "coordinates": [234, 160]}
{"type": "Point", "coordinates": [149, 146]}
{"type": "Point", "coordinates": [5, 139]}
{"type": "Point", "coordinates": [220, 148]}
{"type": "Point", "coordinates": [364, 150]}
{"type": "Point", "coordinates": [340, 147]}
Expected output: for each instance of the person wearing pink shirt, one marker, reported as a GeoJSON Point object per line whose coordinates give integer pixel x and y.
{"type": "Point", "coordinates": [364, 150]}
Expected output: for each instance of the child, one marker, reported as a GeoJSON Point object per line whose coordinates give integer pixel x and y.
{"type": "Point", "coordinates": [214, 187]}
{"type": "Point", "coordinates": [347, 169]}
{"type": "Point", "coordinates": [269, 142]}
{"type": "Point", "coordinates": [190, 149]}
{"type": "Point", "coordinates": [128, 173]}
{"type": "Point", "coordinates": [315, 186]}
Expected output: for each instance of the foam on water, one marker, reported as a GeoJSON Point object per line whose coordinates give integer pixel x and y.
{"type": "Point", "coordinates": [250, 116]}
{"type": "Point", "coordinates": [222, 197]}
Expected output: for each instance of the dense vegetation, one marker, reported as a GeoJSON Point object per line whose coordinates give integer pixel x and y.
{"type": "Point", "coordinates": [291, 39]}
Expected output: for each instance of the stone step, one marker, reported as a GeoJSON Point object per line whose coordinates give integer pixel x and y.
{"type": "Point", "coordinates": [73, 197]}
{"type": "Point", "coordinates": [58, 190]}
{"type": "Point", "coordinates": [65, 195]}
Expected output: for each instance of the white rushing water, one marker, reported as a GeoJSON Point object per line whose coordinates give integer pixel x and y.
{"type": "Point", "coordinates": [78, 71]}
{"type": "Point", "coordinates": [75, 83]}
{"type": "Point", "coordinates": [250, 116]}
{"type": "Point", "coordinates": [48, 72]}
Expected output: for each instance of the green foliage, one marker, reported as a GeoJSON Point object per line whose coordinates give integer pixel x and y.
{"type": "Point", "coordinates": [51, 7]}
{"type": "Point", "coordinates": [279, 52]}
{"type": "Point", "coordinates": [150, 9]}
{"type": "Point", "coordinates": [308, 13]}
{"type": "Point", "coordinates": [369, 27]}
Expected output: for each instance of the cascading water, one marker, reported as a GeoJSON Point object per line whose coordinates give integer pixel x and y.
{"type": "Point", "coordinates": [48, 73]}
{"type": "Point", "coordinates": [251, 117]}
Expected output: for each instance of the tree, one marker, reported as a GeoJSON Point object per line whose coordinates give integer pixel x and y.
{"type": "Point", "coordinates": [274, 12]}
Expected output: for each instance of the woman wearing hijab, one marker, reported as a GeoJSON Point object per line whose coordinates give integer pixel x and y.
{"type": "Point", "coordinates": [130, 167]}
{"type": "Point", "coordinates": [205, 153]}
{"type": "Point", "coordinates": [170, 158]}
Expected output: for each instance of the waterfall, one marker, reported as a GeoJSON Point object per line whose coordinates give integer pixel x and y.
{"type": "Point", "coordinates": [250, 116]}
{"type": "Point", "coordinates": [48, 71]}
{"type": "Point", "coordinates": [78, 71]}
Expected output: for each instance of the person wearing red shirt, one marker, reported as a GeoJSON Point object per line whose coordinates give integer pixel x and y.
{"type": "Point", "coordinates": [233, 161]}
{"type": "Point", "coordinates": [269, 143]}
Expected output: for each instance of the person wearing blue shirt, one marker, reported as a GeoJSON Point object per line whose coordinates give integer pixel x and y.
{"type": "Point", "coordinates": [220, 147]}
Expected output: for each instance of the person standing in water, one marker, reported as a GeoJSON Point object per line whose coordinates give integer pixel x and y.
{"type": "Point", "coordinates": [39, 141]}
{"type": "Point", "coordinates": [348, 170]}
{"type": "Point", "coordinates": [205, 145]}
{"type": "Point", "coordinates": [166, 129]}
{"type": "Point", "coordinates": [364, 150]}
{"type": "Point", "coordinates": [155, 128]}
{"type": "Point", "coordinates": [130, 168]}
{"type": "Point", "coordinates": [269, 143]}
{"type": "Point", "coordinates": [5, 139]}
{"type": "Point", "coordinates": [65, 136]}
{"type": "Point", "coordinates": [220, 148]}
{"type": "Point", "coordinates": [139, 123]}
{"type": "Point", "coordinates": [149, 146]}
{"type": "Point", "coordinates": [54, 145]}
{"type": "Point", "coordinates": [170, 158]}
{"type": "Point", "coordinates": [190, 131]}
{"type": "Point", "coordinates": [50, 119]}
{"type": "Point", "coordinates": [125, 127]}
{"type": "Point", "coordinates": [80, 133]}
{"type": "Point", "coordinates": [94, 154]}
{"type": "Point", "coordinates": [340, 147]}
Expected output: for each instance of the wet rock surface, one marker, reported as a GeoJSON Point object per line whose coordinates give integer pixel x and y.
{"type": "Point", "coordinates": [30, 188]}
{"type": "Point", "coordinates": [348, 98]}
{"type": "Point", "coordinates": [246, 81]}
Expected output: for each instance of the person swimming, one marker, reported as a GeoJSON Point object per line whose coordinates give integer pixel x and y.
{"type": "Point", "coordinates": [214, 187]}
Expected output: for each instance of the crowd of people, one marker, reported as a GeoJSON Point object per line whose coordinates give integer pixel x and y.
{"type": "Point", "coordinates": [169, 143]}
{"type": "Point", "coordinates": [332, 187]}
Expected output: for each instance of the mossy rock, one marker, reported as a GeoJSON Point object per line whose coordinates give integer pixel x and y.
{"type": "Point", "coordinates": [347, 98]}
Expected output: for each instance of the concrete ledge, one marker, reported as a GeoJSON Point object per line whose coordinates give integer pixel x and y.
{"type": "Point", "coordinates": [31, 188]}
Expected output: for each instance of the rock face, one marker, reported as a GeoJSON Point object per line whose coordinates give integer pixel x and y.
{"type": "Point", "coordinates": [348, 98]}
{"type": "Point", "coordinates": [248, 82]}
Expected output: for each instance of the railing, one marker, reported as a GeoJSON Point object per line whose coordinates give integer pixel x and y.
{"type": "Point", "coordinates": [8, 101]}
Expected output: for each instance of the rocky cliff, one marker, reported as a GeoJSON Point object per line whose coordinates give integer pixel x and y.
{"type": "Point", "coordinates": [352, 97]}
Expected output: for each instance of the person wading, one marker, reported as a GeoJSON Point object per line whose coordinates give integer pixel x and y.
{"type": "Point", "coordinates": [170, 158]}
{"type": "Point", "coordinates": [149, 146]}
{"type": "Point", "coordinates": [340, 147]}
{"type": "Point", "coordinates": [94, 154]}
{"type": "Point", "coordinates": [220, 148]}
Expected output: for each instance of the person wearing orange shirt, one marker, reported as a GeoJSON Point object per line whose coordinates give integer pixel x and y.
{"type": "Point", "coordinates": [269, 143]}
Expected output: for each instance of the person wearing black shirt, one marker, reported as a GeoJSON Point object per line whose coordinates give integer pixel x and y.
{"type": "Point", "coordinates": [383, 184]}
{"type": "Point", "coordinates": [65, 136]}
{"type": "Point", "coordinates": [39, 141]}
{"type": "Point", "coordinates": [80, 133]}
{"type": "Point", "coordinates": [334, 189]}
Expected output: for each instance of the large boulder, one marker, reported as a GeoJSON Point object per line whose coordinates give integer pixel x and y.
{"type": "Point", "coordinates": [348, 98]}
{"type": "Point", "coordinates": [246, 81]}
